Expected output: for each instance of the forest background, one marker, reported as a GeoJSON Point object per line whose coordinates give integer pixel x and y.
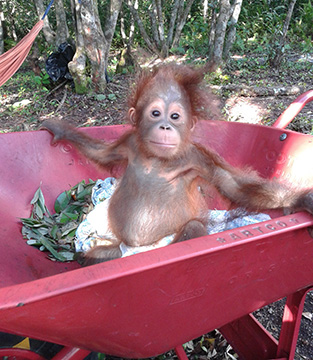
{"type": "Point", "coordinates": [261, 52]}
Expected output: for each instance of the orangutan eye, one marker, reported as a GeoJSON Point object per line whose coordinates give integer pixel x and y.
{"type": "Point", "coordinates": [175, 116]}
{"type": "Point", "coordinates": [156, 113]}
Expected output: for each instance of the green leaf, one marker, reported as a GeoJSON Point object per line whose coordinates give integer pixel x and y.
{"type": "Point", "coordinates": [38, 201]}
{"type": "Point", "coordinates": [41, 200]}
{"type": "Point", "coordinates": [37, 80]}
{"type": "Point", "coordinates": [112, 97]}
{"type": "Point", "coordinates": [100, 97]}
{"type": "Point", "coordinates": [54, 231]}
{"type": "Point", "coordinates": [33, 242]}
{"type": "Point", "coordinates": [43, 230]}
{"type": "Point", "coordinates": [49, 247]}
{"type": "Point", "coordinates": [38, 211]}
{"type": "Point", "coordinates": [75, 187]}
{"type": "Point", "coordinates": [80, 187]}
{"type": "Point", "coordinates": [67, 255]}
{"type": "Point", "coordinates": [74, 207]}
{"type": "Point", "coordinates": [29, 234]}
{"type": "Point", "coordinates": [62, 201]}
{"type": "Point", "coordinates": [36, 196]}
{"type": "Point", "coordinates": [82, 194]}
{"type": "Point", "coordinates": [48, 220]}
{"type": "Point", "coordinates": [67, 216]}
{"type": "Point", "coordinates": [31, 222]}
{"type": "Point", "coordinates": [69, 232]}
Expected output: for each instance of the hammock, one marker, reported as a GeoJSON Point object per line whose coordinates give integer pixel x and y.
{"type": "Point", "coordinates": [11, 60]}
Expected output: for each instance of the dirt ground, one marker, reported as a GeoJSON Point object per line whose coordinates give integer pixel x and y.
{"type": "Point", "coordinates": [256, 96]}
{"type": "Point", "coordinates": [110, 108]}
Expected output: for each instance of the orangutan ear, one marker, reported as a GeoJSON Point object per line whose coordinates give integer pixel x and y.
{"type": "Point", "coordinates": [132, 116]}
{"type": "Point", "coordinates": [194, 121]}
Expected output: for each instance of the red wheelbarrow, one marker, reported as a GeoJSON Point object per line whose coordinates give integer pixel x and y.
{"type": "Point", "coordinates": [149, 303]}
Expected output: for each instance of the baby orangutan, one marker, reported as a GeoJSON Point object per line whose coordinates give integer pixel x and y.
{"type": "Point", "coordinates": [158, 194]}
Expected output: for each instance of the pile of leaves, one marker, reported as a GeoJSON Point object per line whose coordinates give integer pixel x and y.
{"type": "Point", "coordinates": [55, 233]}
{"type": "Point", "coordinates": [212, 346]}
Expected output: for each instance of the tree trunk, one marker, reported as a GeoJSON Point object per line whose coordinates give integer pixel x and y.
{"type": "Point", "coordinates": [123, 29]}
{"type": "Point", "coordinates": [154, 27]}
{"type": "Point", "coordinates": [205, 9]}
{"type": "Point", "coordinates": [128, 40]}
{"type": "Point", "coordinates": [33, 58]}
{"type": "Point", "coordinates": [181, 21]}
{"type": "Point", "coordinates": [212, 32]}
{"type": "Point", "coordinates": [93, 42]}
{"type": "Point", "coordinates": [160, 37]}
{"type": "Point", "coordinates": [235, 12]}
{"type": "Point", "coordinates": [134, 10]}
{"type": "Point", "coordinates": [11, 19]}
{"type": "Point", "coordinates": [77, 66]}
{"type": "Point", "coordinates": [47, 32]}
{"type": "Point", "coordinates": [172, 23]}
{"type": "Point", "coordinates": [132, 30]}
{"type": "Point", "coordinates": [126, 59]}
{"type": "Point", "coordinates": [109, 28]}
{"type": "Point", "coordinates": [163, 43]}
{"type": "Point", "coordinates": [220, 32]}
{"type": "Point", "coordinates": [62, 33]}
{"type": "Point", "coordinates": [1, 32]}
{"type": "Point", "coordinates": [279, 51]}
{"type": "Point", "coordinates": [110, 23]}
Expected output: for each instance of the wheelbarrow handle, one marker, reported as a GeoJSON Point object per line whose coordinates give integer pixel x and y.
{"type": "Point", "coordinates": [293, 110]}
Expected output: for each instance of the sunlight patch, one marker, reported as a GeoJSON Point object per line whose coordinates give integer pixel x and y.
{"type": "Point", "coordinates": [21, 103]}
{"type": "Point", "coordinates": [245, 111]}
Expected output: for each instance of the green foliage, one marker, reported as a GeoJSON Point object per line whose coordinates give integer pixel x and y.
{"type": "Point", "coordinates": [42, 79]}
{"type": "Point", "coordinates": [24, 81]}
{"type": "Point", "coordinates": [258, 24]}
{"type": "Point", "coordinates": [194, 40]}
{"type": "Point", "coordinates": [19, 18]}
{"type": "Point", "coordinates": [23, 95]}
{"type": "Point", "coordinates": [81, 89]}
{"type": "Point", "coordinates": [100, 97]}
{"type": "Point", "coordinates": [302, 25]}
{"type": "Point", "coordinates": [112, 97]}
{"type": "Point", "coordinates": [101, 356]}
{"type": "Point", "coordinates": [218, 77]}
{"type": "Point", "coordinates": [55, 233]}
{"type": "Point", "coordinates": [261, 22]}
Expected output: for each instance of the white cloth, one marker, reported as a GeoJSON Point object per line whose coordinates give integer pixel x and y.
{"type": "Point", "coordinates": [94, 230]}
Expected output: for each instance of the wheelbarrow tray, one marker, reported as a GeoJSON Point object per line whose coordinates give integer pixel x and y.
{"type": "Point", "coordinates": [148, 303]}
